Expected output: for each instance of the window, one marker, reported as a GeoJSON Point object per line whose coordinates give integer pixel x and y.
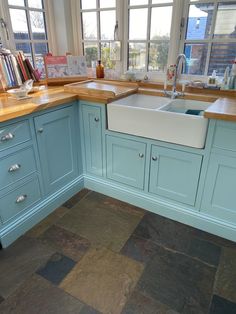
{"type": "Point", "coordinates": [98, 25]}
{"type": "Point", "coordinates": [28, 29]}
{"type": "Point", "coordinates": [210, 37]}
{"type": "Point", "coordinates": [149, 28]}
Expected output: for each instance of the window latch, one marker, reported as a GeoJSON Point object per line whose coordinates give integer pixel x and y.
{"type": "Point", "coordinates": [4, 25]}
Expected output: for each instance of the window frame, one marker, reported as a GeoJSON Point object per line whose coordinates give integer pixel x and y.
{"type": "Point", "coordinates": [10, 42]}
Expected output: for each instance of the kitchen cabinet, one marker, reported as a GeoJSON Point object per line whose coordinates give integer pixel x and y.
{"type": "Point", "coordinates": [174, 174]}
{"type": "Point", "coordinates": [126, 161]}
{"type": "Point", "coordinates": [219, 197]}
{"type": "Point", "coordinates": [56, 138]}
{"type": "Point", "coordinates": [93, 138]}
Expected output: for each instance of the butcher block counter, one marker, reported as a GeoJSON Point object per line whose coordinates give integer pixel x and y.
{"type": "Point", "coordinates": [103, 91]}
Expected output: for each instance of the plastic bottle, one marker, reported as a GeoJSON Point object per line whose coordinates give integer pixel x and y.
{"type": "Point", "coordinates": [212, 80]}
{"type": "Point", "coordinates": [100, 70]}
{"type": "Point", "coordinates": [232, 79]}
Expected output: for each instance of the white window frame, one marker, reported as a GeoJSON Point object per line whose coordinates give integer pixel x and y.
{"type": "Point", "coordinates": [49, 27]}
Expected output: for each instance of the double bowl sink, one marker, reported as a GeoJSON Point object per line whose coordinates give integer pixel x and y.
{"type": "Point", "coordinates": [176, 121]}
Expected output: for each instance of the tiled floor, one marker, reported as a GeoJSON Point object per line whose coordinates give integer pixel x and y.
{"type": "Point", "coordinates": [99, 255]}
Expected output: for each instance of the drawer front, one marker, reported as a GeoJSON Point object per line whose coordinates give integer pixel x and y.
{"type": "Point", "coordinates": [16, 166]}
{"type": "Point", "coordinates": [14, 134]}
{"type": "Point", "coordinates": [14, 202]}
{"type": "Point", "coordinates": [126, 161]}
{"type": "Point", "coordinates": [225, 135]}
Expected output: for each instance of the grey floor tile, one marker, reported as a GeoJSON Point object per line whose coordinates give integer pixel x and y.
{"type": "Point", "coordinates": [66, 242]}
{"type": "Point", "coordinates": [56, 268]}
{"type": "Point", "coordinates": [182, 283]}
{"type": "Point", "coordinates": [140, 304]}
{"type": "Point", "coordinates": [1, 299]}
{"type": "Point", "coordinates": [88, 310]}
{"type": "Point", "coordinates": [76, 198]}
{"type": "Point", "coordinates": [222, 306]}
{"type": "Point", "coordinates": [39, 296]}
{"type": "Point", "coordinates": [19, 261]}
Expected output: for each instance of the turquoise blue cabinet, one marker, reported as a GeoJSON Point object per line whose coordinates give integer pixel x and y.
{"type": "Point", "coordinates": [174, 174]}
{"type": "Point", "coordinates": [56, 139]}
{"type": "Point", "coordinates": [126, 161]}
{"type": "Point", "coordinates": [219, 198]}
{"type": "Point", "coordinates": [92, 131]}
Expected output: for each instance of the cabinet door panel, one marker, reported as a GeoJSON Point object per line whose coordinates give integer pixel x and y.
{"type": "Point", "coordinates": [219, 198]}
{"type": "Point", "coordinates": [126, 161]}
{"type": "Point", "coordinates": [57, 147]}
{"type": "Point", "coordinates": [174, 174]}
{"type": "Point", "coordinates": [93, 139]}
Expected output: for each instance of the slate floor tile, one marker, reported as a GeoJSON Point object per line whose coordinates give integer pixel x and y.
{"type": "Point", "coordinates": [76, 198]}
{"type": "Point", "coordinates": [66, 242]}
{"type": "Point", "coordinates": [38, 296]}
{"type": "Point", "coordinates": [140, 304]}
{"type": "Point", "coordinates": [222, 306]}
{"type": "Point", "coordinates": [88, 310]}
{"type": "Point", "coordinates": [56, 268]}
{"type": "Point", "coordinates": [1, 299]}
{"type": "Point", "coordinates": [102, 222]}
{"type": "Point", "coordinates": [103, 279]}
{"type": "Point", "coordinates": [182, 283]}
{"type": "Point", "coordinates": [225, 285]}
{"type": "Point", "coordinates": [178, 237]}
{"type": "Point", "coordinates": [41, 227]}
{"type": "Point", "coordinates": [19, 261]}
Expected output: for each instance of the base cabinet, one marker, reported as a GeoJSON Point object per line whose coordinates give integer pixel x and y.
{"type": "Point", "coordinates": [126, 161]}
{"type": "Point", "coordinates": [57, 147]}
{"type": "Point", "coordinates": [92, 131]}
{"type": "Point", "coordinates": [219, 198]}
{"type": "Point", "coordinates": [174, 174]}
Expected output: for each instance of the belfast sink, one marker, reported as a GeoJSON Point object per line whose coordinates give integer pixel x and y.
{"type": "Point", "coordinates": [176, 121]}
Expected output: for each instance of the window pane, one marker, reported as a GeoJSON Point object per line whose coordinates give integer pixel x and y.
{"type": "Point", "coordinates": [226, 20]}
{"type": "Point", "coordinates": [91, 54]}
{"type": "Point", "coordinates": [161, 1]}
{"type": "Point", "coordinates": [37, 25]}
{"type": "Point", "coordinates": [158, 55]}
{"type": "Point", "coordinates": [89, 25]}
{"type": "Point", "coordinates": [108, 22]}
{"type": "Point", "coordinates": [88, 4]}
{"type": "Point", "coordinates": [196, 58]}
{"type": "Point", "coordinates": [161, 23]}
{"type": "Point", "coordinates": [199, 21]}
{"type": "Point", "coordinates": [35, 4]}
{"type": "Point", "coordinates": [26, 48]}
{"type": "Point", "coordinates": [138, 23]}
{"type": "Point", "coordinates": [20, 3]}
{"type": "Point", "coordinates": [105, 55]}
{"type": "Point", "coordinates": [19, 24]}
{"type": "Point", "coordinates": [222, 55]}
{"type": "Point", "coordinates": [107, 3]}
{"type": "Point", "coordinates": [41, 48]}
{"type": "Point", "coordinates": [137, 56]}
{"type": "Point", "coordinates": [138, 2]}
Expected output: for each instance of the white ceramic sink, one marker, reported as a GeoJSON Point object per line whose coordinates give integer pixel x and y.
{"type": "Point", "coordinates": [159, 118]}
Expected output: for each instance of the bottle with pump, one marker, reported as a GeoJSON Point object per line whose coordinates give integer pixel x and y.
{"type": "Point", "coordinates": [100, 70]}
{"type": "Point", "coordinates": [232, 79]}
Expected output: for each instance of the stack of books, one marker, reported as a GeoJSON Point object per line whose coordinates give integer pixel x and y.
{"type": "Point", "coordinates": [15, 69]}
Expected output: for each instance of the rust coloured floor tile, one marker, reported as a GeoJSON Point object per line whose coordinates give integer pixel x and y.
{"type": "Point", "coordinates": [66, 242]}
{"type": "Point", "coordinates": [103, 280]}
{"type": "Point", "coordinates": [38, 296]}
{"type": "Point", "coordinates": [76, 198]}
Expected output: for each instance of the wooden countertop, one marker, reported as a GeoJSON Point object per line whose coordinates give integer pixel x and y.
{"type": "Point", "coordinates": [222, 108]}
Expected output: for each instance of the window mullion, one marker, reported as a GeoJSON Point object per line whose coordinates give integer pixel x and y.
{"type": "Point", "coordinates": [148, 34]}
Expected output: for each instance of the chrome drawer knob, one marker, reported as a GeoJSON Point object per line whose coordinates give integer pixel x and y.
{"type": "Point", "coordinates": [21, 199]}
{"type": "Point", "coordinates": [96, 119]}
{"type": "Point", "coordinates": [7, 137]}
{"type": "Point", "coordinates": [154, 158]}
{"type": "Point", "coordinates": [14, 168]}
{"type": "Point", "coordinates": [40, 130]}
{"type": "Point", "coordinates": [141, 155]}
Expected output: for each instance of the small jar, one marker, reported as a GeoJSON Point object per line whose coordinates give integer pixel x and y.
{"type": "Point", "coordinates": [100, 70]}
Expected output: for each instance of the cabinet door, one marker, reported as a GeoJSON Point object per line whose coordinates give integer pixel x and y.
{"type": "Point", "coordinates": [174, 174]}
{"type": "Point", "coordinates": [126, 161]}
{"type": "Point", "coordinates": [57, 147]}
{"type": "Point", "coordinates": [92, 130]}
{"type": "Point", "coordinates": [219, 197]}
